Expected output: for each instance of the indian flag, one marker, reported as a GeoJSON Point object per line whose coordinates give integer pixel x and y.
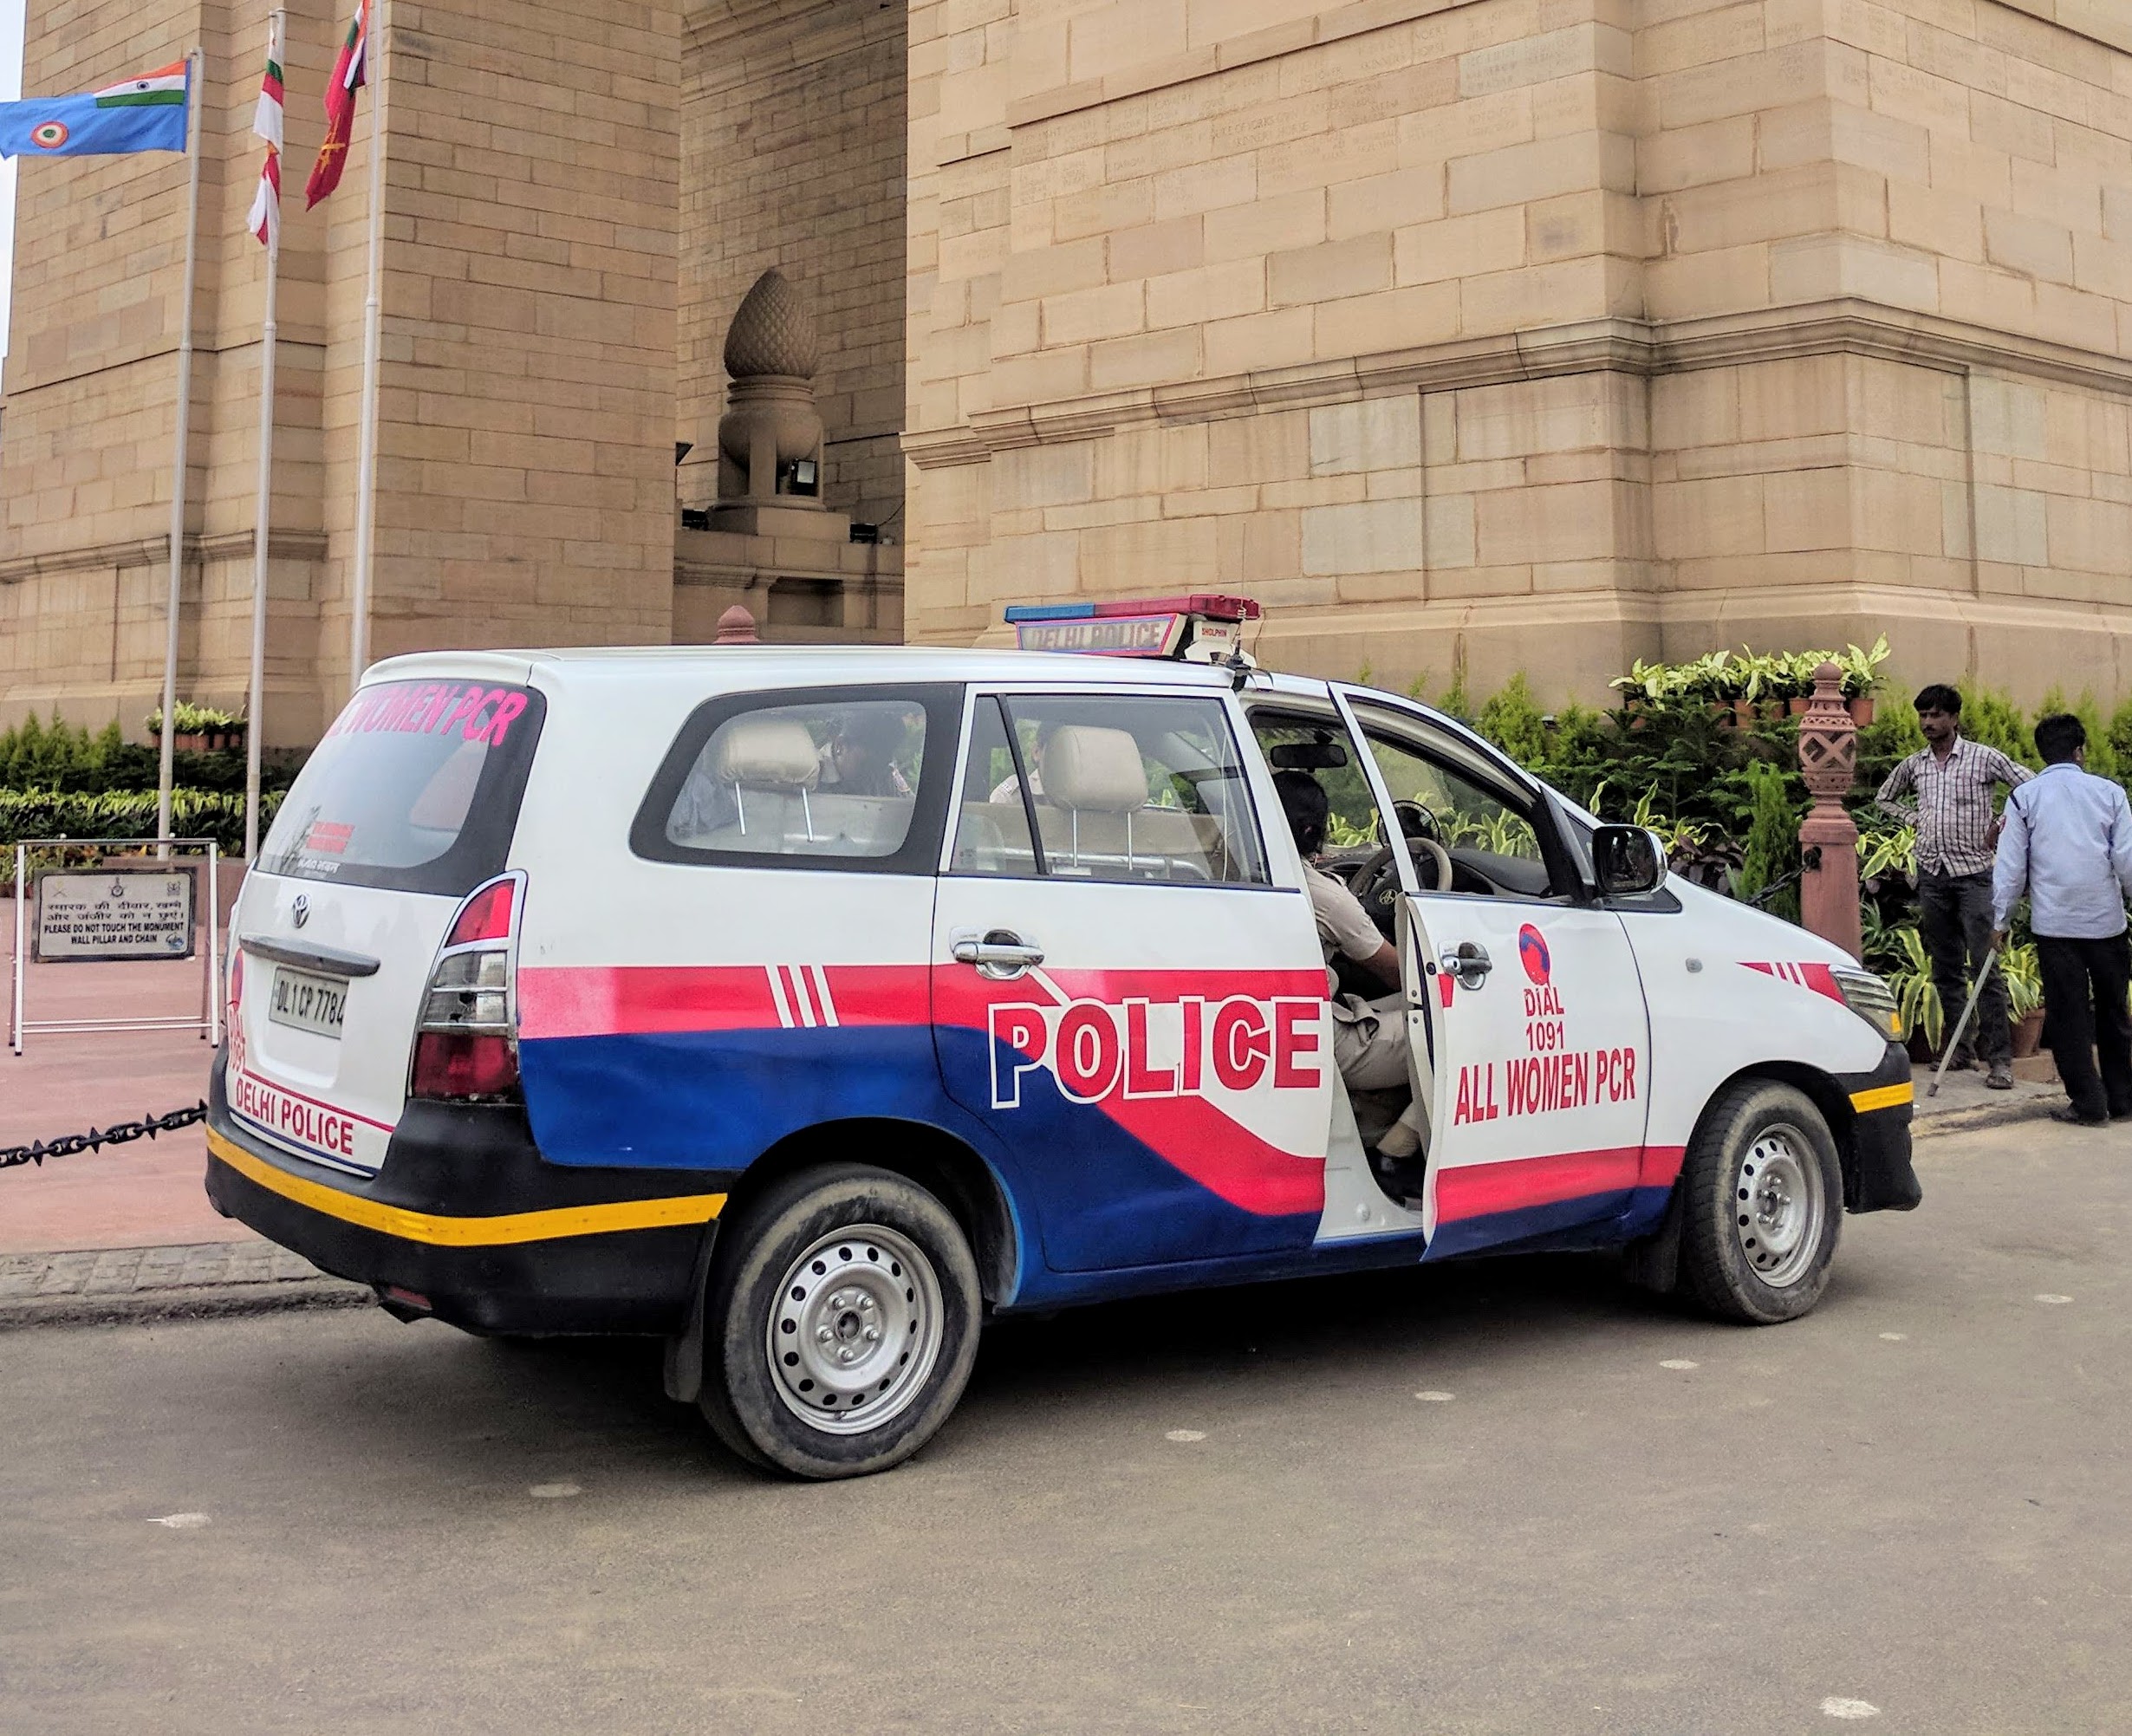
{"type": "Point", "coordinates": [164, 86]}
{"type": "Point", "coordinates": [265, 218]}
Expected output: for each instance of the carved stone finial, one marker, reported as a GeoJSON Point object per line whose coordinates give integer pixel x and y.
{"type": "Point", "coordinates": [769, 439]}
{"type": "Point", "coordinates": [772, 332]}
{"type": "Point", "coordinates": [736, 627]}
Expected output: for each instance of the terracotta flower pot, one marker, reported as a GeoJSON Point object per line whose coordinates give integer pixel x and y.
{"type": "Point", "coordinates": [190, 741]}
{"type": "Point", "coordinates": [1861, 711]}
{"type": "Point", "coordinates": [1743, 713]}
{"type": "Point", "coordinates": [2028, 1034]}
{"type": "Point", "coordinates": [1797, 705]}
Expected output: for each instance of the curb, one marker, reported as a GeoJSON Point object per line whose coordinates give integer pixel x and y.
{"type": "Point", "coordinates": [201, 1302]}
{"type": "Point", "coordinates": [1981, 1115]}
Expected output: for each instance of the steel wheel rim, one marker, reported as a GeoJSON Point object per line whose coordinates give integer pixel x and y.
{"type": "Point", "coordinates": [855, 1329]}
{"type": "Point", "coordinates": [1778, 1205]}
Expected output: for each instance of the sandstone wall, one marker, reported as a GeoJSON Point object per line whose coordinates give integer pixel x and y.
{"type": "Point", "coordinates": [792, 132]}
{"type": "Point", "coordinates": [1488, 334]}
{"type": "Point", "coordinates": [525, 484]}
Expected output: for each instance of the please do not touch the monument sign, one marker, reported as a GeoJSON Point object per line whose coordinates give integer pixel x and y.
{"type": "Point", "coordinates": [113, 913]}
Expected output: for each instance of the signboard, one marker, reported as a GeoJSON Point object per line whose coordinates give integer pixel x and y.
{"type": "Point", "coordinates": [1143, 635]}
{"type": "Point", "coordinates": [111, 913]}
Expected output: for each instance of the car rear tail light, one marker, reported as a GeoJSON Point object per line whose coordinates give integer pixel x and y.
{"type": "Point", "coordinates": [466, 1041]}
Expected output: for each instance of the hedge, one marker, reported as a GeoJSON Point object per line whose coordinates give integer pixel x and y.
{"type": "Point", "coordinates": [128, 814]}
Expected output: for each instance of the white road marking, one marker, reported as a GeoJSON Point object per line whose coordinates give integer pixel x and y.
{"type": "Point", "coordinates": [1434, 1397]}
{"type": "Point", "coordinates": [2053, 1300]}
{"type": "Point", "coordinates": [1836, 1707]}
{"type": "Point", "coordinates": [1894, 1337]}
{"type": "Point", "coordinates": [181, 1522]}
{"type": "Point", "coordinates": [554, 1491]}
{"type": "Point", "coordinates": [1186, 1434]}
{"type": "Point", "coordinates": [1678, 1362]}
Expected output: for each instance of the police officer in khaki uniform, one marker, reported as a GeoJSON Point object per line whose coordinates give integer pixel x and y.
{"type": "Point", "coordinates": [1369, 1036]}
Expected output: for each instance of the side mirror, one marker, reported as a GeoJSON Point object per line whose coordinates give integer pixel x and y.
{"type": "Point", "coordinates": [1627, 860]}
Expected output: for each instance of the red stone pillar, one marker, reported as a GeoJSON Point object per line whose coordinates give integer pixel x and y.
{"type": "Point", "coordinates": [736, 626]}
{"type": "Point", "coordinates": [1828, 761]}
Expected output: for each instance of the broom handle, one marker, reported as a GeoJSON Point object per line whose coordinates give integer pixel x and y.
{"type": "Point", "coordinates": [1968, 1011]}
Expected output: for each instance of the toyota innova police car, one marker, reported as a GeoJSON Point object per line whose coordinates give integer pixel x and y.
{"type": "Point", "coordinates": [809, 1005]}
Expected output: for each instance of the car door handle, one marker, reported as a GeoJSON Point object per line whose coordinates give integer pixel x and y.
{"type": "Point", "coordinates": [1468, 961]}
{"type": "Point", "coordinates": [1000, 954]}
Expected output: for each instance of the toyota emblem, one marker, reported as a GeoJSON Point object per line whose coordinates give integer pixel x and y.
{"type": "Point", "coordinates": [301, 909]}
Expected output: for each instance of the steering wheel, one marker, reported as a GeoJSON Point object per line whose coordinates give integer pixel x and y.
{"type": "Point", "coordinates": [1375, 883]}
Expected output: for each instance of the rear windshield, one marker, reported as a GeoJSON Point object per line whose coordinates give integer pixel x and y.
{"type": "Point", "coordinates": [415, 788]}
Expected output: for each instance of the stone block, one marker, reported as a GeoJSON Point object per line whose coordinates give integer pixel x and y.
{"type": "Point", "coordinates": [1156, 250]}
{"type": "Point", "coordinates": [1367, 434]}
{"type": "Point", "coordinates": [1214, 292]}
{"type": "Point", "coordinates": [2028, 245]}
{"type": "Point", "coordinates": [1459, 247]}
{"type": "Point", "coordinates": [2012, 526]}
{"type": "Point", "coordinates": [1393, 320]}
{"type": "Point", "coordinates": [1538, 170]}
{"type": "Point", "coordinates": [1366, 537]}
{"type": "Point", "coordinates": [1281, 339]}
{"type": "Point", "coordinates": [1270, 225]}
{"type": "Point", "coordinates": [1329, 271]}
{"type": "Point", "coordinates": [1396, 201]}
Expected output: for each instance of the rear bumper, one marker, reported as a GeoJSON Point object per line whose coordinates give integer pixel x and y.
{"type": "Point", "coordinates": [1877, 1175]}
{"type": "Point", "coordinates": [467, 1222]}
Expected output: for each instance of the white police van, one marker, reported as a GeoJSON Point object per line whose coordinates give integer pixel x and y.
{"type": "Point", "coordinates": [807, 1005]}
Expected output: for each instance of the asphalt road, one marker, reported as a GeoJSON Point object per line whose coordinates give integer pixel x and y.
{"type": "Point", "coordinates": [1621, 1518]}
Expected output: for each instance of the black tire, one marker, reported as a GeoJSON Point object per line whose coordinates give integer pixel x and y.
{"type": "Point", "coordinates": [802, 1265]}
{"type": "Point", "coordinates": [1761, 1154]}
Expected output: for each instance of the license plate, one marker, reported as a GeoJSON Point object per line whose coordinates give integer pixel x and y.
{"type": "Point", "coordinates": [308, 1003]}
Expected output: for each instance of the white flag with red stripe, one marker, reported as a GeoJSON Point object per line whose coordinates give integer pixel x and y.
{"type": "Point", "coordinates": [265, 218]}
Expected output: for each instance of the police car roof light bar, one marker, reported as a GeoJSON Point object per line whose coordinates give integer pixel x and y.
{"type": "Point", "coordinates": [1202, 626]}
{"type": "Point", "coordinates": [1209, 605]}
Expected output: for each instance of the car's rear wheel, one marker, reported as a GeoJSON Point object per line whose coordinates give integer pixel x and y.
{"type": "Point", "coordinates": [841, 1324]}
{"type": "Point", "coordinates": [1762, 1204]}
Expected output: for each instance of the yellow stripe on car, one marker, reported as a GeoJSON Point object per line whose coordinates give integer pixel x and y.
{"type": "Point", "coordinates": [1883, 1097]}
{"type": "Point", "coordinates": [468, 1232]}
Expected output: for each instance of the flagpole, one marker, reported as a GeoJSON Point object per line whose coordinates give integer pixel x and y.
{"type": "Point", "coordinates": [195, 64]}
{"type": "Point", "coordinates": [367, 413]}
{"type": "Point", "coordinates": [255, 701]}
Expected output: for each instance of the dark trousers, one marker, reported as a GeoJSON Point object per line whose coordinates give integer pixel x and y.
{"type": "Point", "coordinates": [1954, 913]}
{"type": "Point", "coordinates": [2085, 985]}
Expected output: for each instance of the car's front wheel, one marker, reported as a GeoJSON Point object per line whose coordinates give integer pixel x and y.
{"type": "Point", "coordinates": [842, 1323]}
{"type": "Point", "coordinates": [1762, 1205]}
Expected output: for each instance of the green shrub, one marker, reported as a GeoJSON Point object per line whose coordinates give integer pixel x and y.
{"type": "Point", "coordinates": [1512, 720]}
{"type": "Point", "coordinates": [1772, 846]}
{"type": "Point", "coordinates": [1993, 718]}
{"type": "Point", "coordinates": [127, 814]}
{"type": "Point", "coordinates": [2102, 760]}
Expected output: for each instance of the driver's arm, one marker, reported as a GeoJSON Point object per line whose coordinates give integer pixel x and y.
{"type": "Point", "coordinates": [1342, 920]}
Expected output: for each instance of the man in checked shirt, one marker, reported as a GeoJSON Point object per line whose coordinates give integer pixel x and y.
{"type": "Point", "coordinates": [1950, 782]}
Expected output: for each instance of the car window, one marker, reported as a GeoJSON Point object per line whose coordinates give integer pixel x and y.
{"type": "Point", "coordinates": [415, 788]}
{"type": "Point", "coordinates": [833, 778]}
{"type": "Point", "coordinates": [1466, 815]}
{"type": "Point", "coordinates": [1109, 787]}
{"type": "Point", "coordinates": [818, 779]}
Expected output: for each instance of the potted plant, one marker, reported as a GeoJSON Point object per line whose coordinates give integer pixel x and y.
{"type": "Point", "coordinates": [1860, 677]}
{"type": "Point", "coordinates": [199, 729]}
{"type": "Point", "coordinates": [1917, 998]}
{"type": "Point", "coordinates": [2018, 964]}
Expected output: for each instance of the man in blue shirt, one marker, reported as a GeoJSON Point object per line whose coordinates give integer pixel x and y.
{"type": "Point", "coordinates": [2068, 844]}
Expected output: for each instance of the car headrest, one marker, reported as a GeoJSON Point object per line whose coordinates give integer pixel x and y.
{"type": "Point", "coordinates": [772, 750]}
{"type": "Point", "coordinates": [1095, 770]}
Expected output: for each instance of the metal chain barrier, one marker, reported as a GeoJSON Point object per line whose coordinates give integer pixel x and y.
{"type": "Point", "coordinates": [70, 1145]}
